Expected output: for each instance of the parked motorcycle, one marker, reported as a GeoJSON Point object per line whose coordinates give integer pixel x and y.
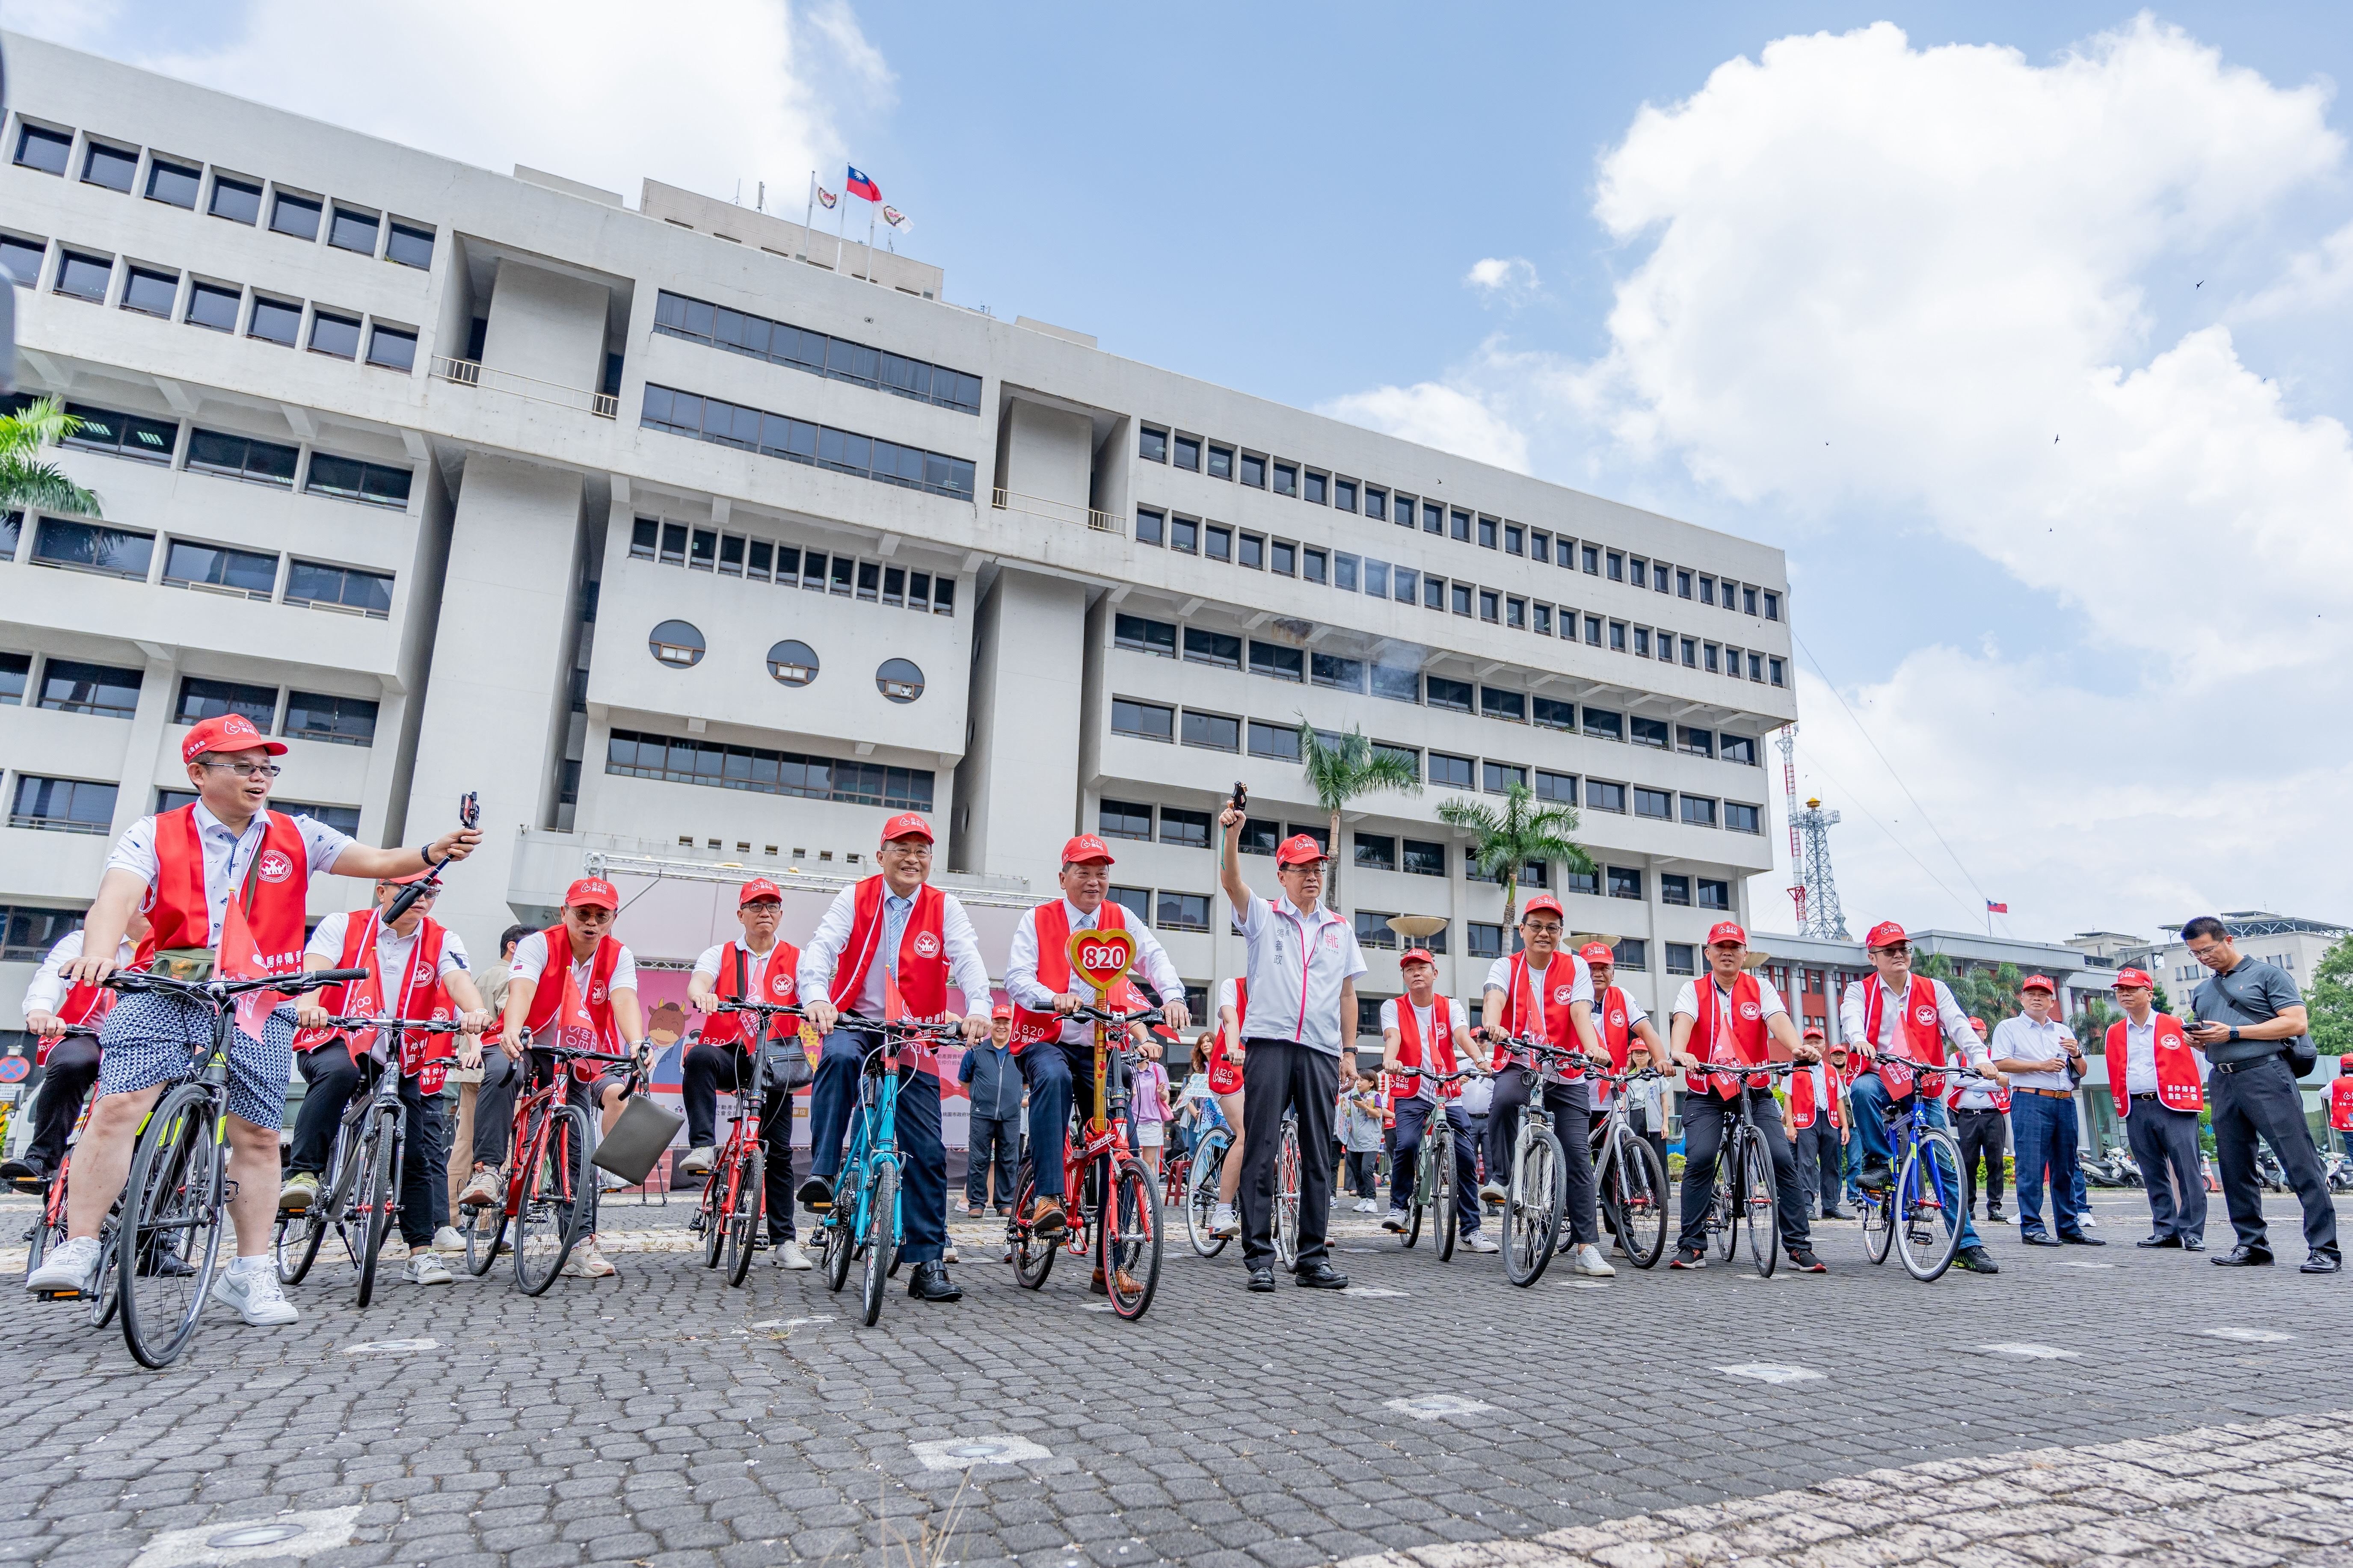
{"type": "Point", "coordinates": [2116, 1168]}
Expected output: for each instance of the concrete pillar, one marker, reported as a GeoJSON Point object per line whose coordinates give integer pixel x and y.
{"type": "Point", "coordinates": [1017, 797]}
{"type": "Point", "coordinates": [546, 325]}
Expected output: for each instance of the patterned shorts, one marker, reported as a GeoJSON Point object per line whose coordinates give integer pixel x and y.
{"type": "Point", "coordinates": [152, 1040]}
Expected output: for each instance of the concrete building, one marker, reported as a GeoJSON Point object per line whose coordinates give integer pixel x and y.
{"type": "Point", "coordinates": [690, 546]}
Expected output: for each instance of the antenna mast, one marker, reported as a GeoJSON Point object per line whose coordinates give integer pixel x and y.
{"type": "Point", "coordinates": [1810, 855]}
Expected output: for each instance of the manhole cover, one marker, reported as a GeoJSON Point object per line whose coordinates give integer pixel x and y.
{"type": "Point", "coordinates": [1436, 1407]}
{"type": "Point", "coordinates": [2033, 1353]}
{"type": "Point", "coordinates": [226, 1542]}
{"type": "Point", "coordinates": [391, 1347]}
{"type": "Point", "coordinates": [991, 1448]}
{"type": "Point", "coordinates": [2082, 1265]}
{"type": "Point", "coordinates": [248, 1535]}
{"type": "Point", "coordinates": [1370, 1290]}
{"type": "Point", "coordinates": [1768, 1372]}
{"type": "Point", "coordinates": [2248, 1336]}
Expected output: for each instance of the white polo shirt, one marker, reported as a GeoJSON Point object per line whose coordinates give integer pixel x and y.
{"type": "Point", "coordinates": [1297, 967]}
{"type": "Point", "coordinates": [1425, 1022]}
{"type": "Point", "coordinates": [531, 962]}
{"type": "Point", "coordinates": [226, 854]}
{"type": "Point", "coordinates": [2023, 1039]}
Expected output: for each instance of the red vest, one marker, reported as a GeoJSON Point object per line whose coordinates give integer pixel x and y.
{"type": "Point", "coordinates": [1522, 1007]}
{"type": "Point", "coordinates": [923, 953]}
{"type": "Point", "coordinates": [1923, 1038]}
{"type": "Point", "coordinates": [2178, 1085]}
{"type": "Point", "coordinates": [1410, 1046]}
{"type": "Point", "coordinates": [1052, 924]}
{"type": "Point", "coordinates": [1801, 1097]}
{"type": "Point", "coordinates": [776, 989]}
{"type": "Point", "coordinates": [1612, 1015]}
{"type": "Point", "coordinates": [2340, 1104]}
{"type": "Point", "coordinates": [420, 995]}
{"type": "Point", "coordinates": [276, 887]}
{"type": "Point", "coordinates": [1746, 1041]}
{"type": "Point", "coordinates": [558, 996]}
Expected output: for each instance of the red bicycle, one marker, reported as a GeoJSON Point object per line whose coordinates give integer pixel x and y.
{"type": "Point", "coordinates": [729, 1215]}
{"type": "Point", "coordinates": [1122, 1231]}
{"type": "Point", "coordinates": [550, 1187]}
{"type": "Point", "coordinates": [49, 1229]}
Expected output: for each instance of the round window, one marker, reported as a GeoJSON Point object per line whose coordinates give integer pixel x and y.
{"type": "Point", "coordinates": [793, 663]}
{"type": "Point", "coordinates": [676, 643]}
{"type": "Point", "coordinates": [899, 679]}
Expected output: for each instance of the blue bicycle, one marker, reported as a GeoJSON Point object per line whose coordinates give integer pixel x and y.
{"type": "Point", "coordinates": [864, 1222]}
{"type": "Point", "coordinates": [1922, 1214]}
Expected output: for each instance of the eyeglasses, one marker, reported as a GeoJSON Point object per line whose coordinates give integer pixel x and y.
{"type": "Point", "coordinates": [249, 769]}
{"type": "Point", "coordinates": [1895, 949]}
{"type": "Point", "coordinates": [1541, 928]}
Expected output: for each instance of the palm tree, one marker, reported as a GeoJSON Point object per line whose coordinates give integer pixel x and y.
{"type": "Point", "coordinates": [25, 480]}
{"type": "Point", "coordinates": [1505, 843]}
{"type": "Point", "coordinates": [1341, 769]}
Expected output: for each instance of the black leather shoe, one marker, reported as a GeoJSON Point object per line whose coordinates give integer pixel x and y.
{"type": "Point", "coordinates": [2158, 1241]}
{"type": "Point", "coordinates": [2321, 1263]}
{"type": "Point", "coordinates": [2192, 1244]}
{"type": "Point", "coordinates": [1261, 1278]}
{"type": "Point", "coordinates": [2243, 1257]}
{"type": "Point", "coordinates": [1875, 1178]}
{"type": "Point", "coordinates": [1319, 1275]}
{"type": "Point", "coordinates": [931, 1283]}
{"type": "Point", "coordinates": [1977, 1260]}
{"type": "Point", "coordinates": [24, 1173]}
{"type": "Point", "coordinates": [817, 1195]}
{"type": "Point", "coordinates": [2038, 1239]}
{"type": "Point", "coordinates": [2080, 1239]}
{"type": "Point", "coordinates": [1835, 1214]}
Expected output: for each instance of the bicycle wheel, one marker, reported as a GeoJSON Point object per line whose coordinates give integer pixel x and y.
{"type": "Point", "coordinates": [556, 1196]}
{"type": "Point", "coordinates": [880, 1243]}
{"type": "Point", "coordinates": [486, 1227]}
{"type": "Point", "coordinates": [1201, 1199]}
{"type": "Point", "coordinates": [744, 1225]}
{"type": "Point", "coordinates": [44, 1235]}
{"type": "Point", "coordinates": [1757, 1198]}
{"type": "Point", "coordinates": [1929, 1211]}
{"type": "Point", "coordinates": [379, 1179]}
{"type": "Point", "coordinates": [169, 1241]}
{"type": "Point", "coordinates": [1444, 1221]}
{"type": "Point", "coordinates": [1130, 1256]}
{"type": "Point", "coordinates": [840, 1227]}
{"type": "Point", "coordinates": [1640, 1201]}
{"type": "Point", "coordinates": [1533, 1206]}
{"type": "Point", "coordinates": [1033, 1255]}
{"type": "Point", "coordinates": [107, 1296]}
{"type": "Point", "coordinates": [1286, 1197]}
{"type": "Point", "coordinates": [1723, 1211]}
{"type": "Point", "coordinates": [711, 1208]}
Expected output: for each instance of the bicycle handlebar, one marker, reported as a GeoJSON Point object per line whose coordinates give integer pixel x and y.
{"type": "Point", "coordinates": [766, 1009]}
{"type": "Point", "coordinates": [408, 1025]}
{"type": "Point", "coordinates": [217, 989]}
{"type": "Point", "coordinates": [1117, 1020]}
{"type": "Point", "coordinates": [901, 1026]}
{"type": "Point", "coordinates": [571, 1053]}
{"type": "Point", "coordinates": [1921, 1066]}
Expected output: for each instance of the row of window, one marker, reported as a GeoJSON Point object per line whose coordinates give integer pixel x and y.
{"type": "Point", "coordinates": [703, 549]}
{"type": "Point", "coordinates": [216, 305]}
{"type": "Point", "coordinates": [682, 760]}
{"type": "Point", "coordinates": [1406, 683]}
{"type": "Point", "coordinates": [189, 183]}
{"type": "Point", "coordinates": [1318, 488]}
{"type": "Point", "coordinates": [837, 359]}
{"type": "Point", "coordinates": [798, 441]}
{"type": "Point", "coordinates": [679, 645]}
{"type": "Point", "coordinates": [227, 456]}
{"type": "Point", "coordinates": [87, 806]}
{"type": "Point", "coordinates": [110, 691]}
{"type": "Point", "coordinates": [210, 568]}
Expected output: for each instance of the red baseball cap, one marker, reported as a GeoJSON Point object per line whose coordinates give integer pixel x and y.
{"type": "Point", "coordinates": [1980, 1026]}
{"type": "Point", "coordinates": [1300, 849]}
{"type": "Point", "coordinates": [1886, 933]}
{"type": "Point", "coordinates": [1085, 850]}
{"type": "Point", "coordinates": [2037, 982]}
{"type": "Point", "coordinates": [593, 891]}
{"type": "Point", "coordinates": [1004, 1010]}
{"type": "Point", "coordinates": [1597, 952]}
{"type": "Point", "coordinates": [756, 889]}
{"type": "Point", "coordinates": [403, 881]}
{"type": "Point", "coordinates": [229, 732]}
{"type": "Point", "coordinates": [1813, 1032]}
{"type": "Point", "coordinates": [1544, 903]}
{"type": "Point", "coordinates": [2135, 977]}
{"type": "Point", "coordinates": [1726, 931]}
{"type": "Point", "coordinates": [907, 825]}
{"type": "Point", "coordinates": [1416, 955]}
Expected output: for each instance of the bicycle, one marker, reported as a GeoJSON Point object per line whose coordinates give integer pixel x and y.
{"type": "Point", "coordinates": [1434, 1174]}
{"type": "Point", "coordinates": [863, 1220]}
{"type": "Point", "coordinates": [1929, 1206]}
{"type": "Point", "coordinates": [1536, 1198]}
{"type": "Point", "coordinates": [1206, 1173]}
{"type": "Point", "coordinates": [1286, 1192]}
{"type": "Point", "coordinates": [361, 1194]}
{"type": "Point", "coordinates": [736, 1189]}
{"type": "Point", "coordinates": [174, 1203]}
{"type": "Point", "coordinates": [1124, 1232]}
{"type": "Point", "coordinates": [1746, 1194]}
{"type": "Point", "coordinates": [48, 1229]}
{"type": "Point", "coordinates": [1632, 1182]}
{"type": "Point", "coordinates": [550, 1187]}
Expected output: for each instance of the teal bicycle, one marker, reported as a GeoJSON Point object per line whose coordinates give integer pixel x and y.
{"type": "Point", "coordinates": [864, 1225]}
{"type": "Point", "coordinates": [1922, 1212]}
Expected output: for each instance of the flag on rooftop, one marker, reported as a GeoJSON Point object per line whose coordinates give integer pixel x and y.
{"type": "Point", "coordinates": [1994, 909]}
{"type": "Point", "coordinates": [860, 186]}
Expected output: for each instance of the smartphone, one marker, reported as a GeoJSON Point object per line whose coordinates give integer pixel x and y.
{"type": "Point", "coordinates": [470, 810]}
{"type": "Point", "coordinates": [1241, 796]}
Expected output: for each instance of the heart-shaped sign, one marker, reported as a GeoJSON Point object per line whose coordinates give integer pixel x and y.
{"type": "Point", "coordinates": [1102, 957]}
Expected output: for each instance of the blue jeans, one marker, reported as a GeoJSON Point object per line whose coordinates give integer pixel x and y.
{"type": "Point", "coordinates": [922, 1159]}
{"type": "Point", "coordinates": [1871, 1107]}
{"type": "Point", "coordinates": [2044, 1130]}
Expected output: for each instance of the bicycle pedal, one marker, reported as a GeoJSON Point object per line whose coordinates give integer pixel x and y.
{"type": "Point", "coordinates": [56, 1295]}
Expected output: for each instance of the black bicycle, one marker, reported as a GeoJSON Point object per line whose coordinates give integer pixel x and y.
{"type": "Point", "coordinates": [1633, 1183]}
{"type": "Point", "coordinates": [167, 1244]}
{"type": "Point", "coordinates": [1745, 1195]}
{"type": "Point", "coordinates": [1433, 1172]}
{"type": "Point", "coordinates": [729, 1215]}
{"type": "Point", "coordinates": [1535, 1196]}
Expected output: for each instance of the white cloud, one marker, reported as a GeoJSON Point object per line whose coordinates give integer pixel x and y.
{"type": "Point", "coordinates": [2315, 279]}
{"type": "Point", "coordinates": [1510, 280]}
{"type": "Point", "coordinates": [1448, 417]}
{"type": "Point", "coordinates": [585, 89]}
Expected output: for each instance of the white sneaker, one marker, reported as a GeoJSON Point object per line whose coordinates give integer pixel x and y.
{"type": "Point", "coordinates": [588, 1263]}
{"type": "Point", "coordinates": [446, 1240]}
{"type": "Point", "coordinates": [948, 1254]}
{"type": "Point", "coordinates": [1589, 1261]}
{"type": "Point", "coordinates": [426, 1269]}
{"type": "Point", "coordinates": [1492, 1193]}
{"type": "Point", "coordinates": [1396, 1221]}
{"type": "Point", "coordinates": [609, 1182]}
{"type": "Point", "coordinates": [1223, 1222]}
{"type": "Point", "coordinates": [698, 1161]}
{"type": "Point", "coordinates": [790, 1256]}
{"type": "Point", "coordinates": [393, 1250]}
{"type": "Point", "coordinates": [1475, 1242]}
{"type": "Point", "coordinates": [1368, 1206]}
{"type": "Point", "coordinates": [69, 1268]}
{"type": "Point", "coordinates": [2088, 1220]}
{"type": "Point", "coordinates": [255, 1294]}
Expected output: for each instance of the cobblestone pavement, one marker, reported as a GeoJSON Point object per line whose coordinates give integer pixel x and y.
{"type": "Point", "coordinates": [661, 1419]}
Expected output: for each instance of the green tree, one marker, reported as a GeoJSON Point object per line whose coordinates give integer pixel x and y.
{"type": "Point", "coordinates": [1505, 843]}
{"type": "Point", "coordinates": [2330, 1003]}
{"type": "Point", "coordinates": [1343, 767]}
{"type": "Point", "coordinates": [24, 478]}
{"type": "Point", "coordinates": [1991, 993]}
{"type": "Point", "coordinates": [2091, 1025]}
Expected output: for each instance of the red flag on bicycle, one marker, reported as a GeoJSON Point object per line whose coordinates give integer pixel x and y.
{"type": "Point", "coordinates": [240, 959]}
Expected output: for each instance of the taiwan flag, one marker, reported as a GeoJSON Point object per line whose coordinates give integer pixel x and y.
{"type": "Point", "coordinates": [1994, 909]}
{"type": "Point", "coordinates": [860, 186]}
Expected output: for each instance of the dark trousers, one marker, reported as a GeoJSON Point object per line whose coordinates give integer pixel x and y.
{"type": "Point", "coordinates": [1058, 1075]}
{"type": "Point", "coordinates": [1705, 1118]}
{"type": "Point", "coordinates": [995, 1143]}
{"type": "Point", "coordinates": [1572, 1123]}
{"type": "Point", "coordinates": [2344, 1136]}
{"type": "Point", "coordinates": [707, 1069]}
{"type": "Point", "coordinates": [2046, 1136]}
{"type": "Point", "coordinates": [2261, 1100]}
{"type": "Point", "coordinates": [1981, 1135]}
{"type": "Point", "coordinates": [717, 1071]}
{"type": "Point", "coordinates": [333, 1078]}
{"type": "Point", "coordinates": [1405, 1157]}
{"type": "Point", "coordinates": [495, 1107]}
{"type": "Point", "coordinates": [922, 1159]}
{"type": "Point", "coordinates": [2166, 1144]}
{"type": "Point", "coordinates": [1821, 1160]}
{"type": "Point", "coordinates": [1361, 1166]}
{"type": "Point", "coordinates": [66, 1079]}
{"type": "Point", "coordinates": [1280, 1075]}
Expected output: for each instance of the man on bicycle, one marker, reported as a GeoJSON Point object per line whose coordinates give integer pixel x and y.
{"type": "Point", "coordinates": [1625, 1028]}
{"type": "Point", "coordinates": [890, 947]}
{"type": "Point", "coordinates": [1056, 1050]}
{"type": "Point", "coordinates": [1727, 1016]}
{"type": "Point", "coordinates": [51, 1007]}
{"type": "Point", "coordinates": [1901, 1013]}
{"type": "Point", "coordinates": [1544, 991]}
{"type": "Point", "coordinates": [1422, 1030]}
{"type": "Point", "coordinates": [761, 968]}
{"type": "Point", "coordinates": [418, 971]}
{"type": "Point", "coordinates": [185, 867]}
{"type": "Point", "coordinates": [597, 978]}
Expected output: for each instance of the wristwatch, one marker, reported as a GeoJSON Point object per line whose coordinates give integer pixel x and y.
{"type": "Point", "coordinates": [2234, 1034]}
